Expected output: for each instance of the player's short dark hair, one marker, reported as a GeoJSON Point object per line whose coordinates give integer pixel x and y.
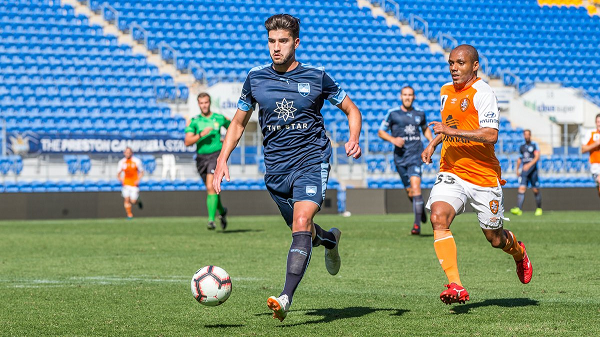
{"type": "Point", "coordinates": [204, 94]}
{"type": "Point", "coordinates": [597, 116]}
{"type": "Point", "coordinates": [527, 130]}
{"type": "Point", "coordinates": [407, 87]}
{"type": "Point", "coordinates": [128, 148]}
{"type": "Point", "coordinates": [284, 22]}
{"type": "Point", "coordinates": [473, 53]}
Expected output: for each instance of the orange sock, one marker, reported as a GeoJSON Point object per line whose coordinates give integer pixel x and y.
{"type": "Point", "coordinates": [445, 249]}
{"type": "Point", "coordinates": [513, 247]}
{"type": "Point", "coordinates": [128, 210]}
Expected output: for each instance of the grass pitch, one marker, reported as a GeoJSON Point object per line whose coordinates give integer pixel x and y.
{"type": "Point", "coordinates": [118, 277]}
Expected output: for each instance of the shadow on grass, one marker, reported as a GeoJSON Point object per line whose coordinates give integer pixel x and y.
{"type": "Point", "coordinates": [330, 315]}
{"type": "Point", "coordinates": [222, 326]}
{"type": "Point", "coordinates": [236, 231]}
{"type": "Point", "coordinates": [425, 235]}
{"type": "Point", "coordinates": [501, 302]}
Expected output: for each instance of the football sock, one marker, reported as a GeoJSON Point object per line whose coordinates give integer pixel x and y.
{"type": "Point", "coordinates": [520, 199]}
{"type": "Point", "coordinates": [220, 207]}
{"type": "Point", "coordinates": [128, 209]}
{"type": "Point", "coordinates": [322, 237]}
{"type": "Point", "coordinates": [538, 199]}
{"type": "Point", "coordinates": [512, 246]}
{"type": "Point", "coordinates": [297, 261]}
{"type": "Point", "coordinates": [418, 208]}
{"type": "Point", "coordinates": [211, 205]}
{"type": "Point", "coordinates": [445, 249]}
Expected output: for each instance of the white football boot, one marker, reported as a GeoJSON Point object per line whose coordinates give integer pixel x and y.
{"type": "Point", "coordinates": [332, 256]}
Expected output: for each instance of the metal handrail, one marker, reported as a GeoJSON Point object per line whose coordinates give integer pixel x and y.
{"type": "Point", "coordinates": [420, 19]}
{"type": "Point", "coordinates": [144, 31]}
{"type": "Point", "coordinates": [194, 65]}
{"type": "Point", "coordinates": [485, 64]}
{"type": "Point", "coordinates": [105, 6]}
{"type": "Point", "coordinates": [441, 36]}
{"type": "Point", "coordinates": [166, 46]}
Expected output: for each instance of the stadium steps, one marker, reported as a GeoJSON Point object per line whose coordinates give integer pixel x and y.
{"type": "Point", "coordinates": [127, 39]}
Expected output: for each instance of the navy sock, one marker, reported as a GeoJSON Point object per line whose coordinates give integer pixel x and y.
{"type": "Point", "coordinates": [297, 262]}
{"type": "Point", "coordinates": [322, 237]}
{"type": "Point", "coordinates": [520, 199]}
{"type": "Point", "coordinates": [418, 208]}
{"type": "Point", "coordinates": [538, 199]}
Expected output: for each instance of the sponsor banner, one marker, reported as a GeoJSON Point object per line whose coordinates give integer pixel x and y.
{"type": "Point", "coordinates": [562, 105]}
{"type": "Point", "coordinates": [30, 143]}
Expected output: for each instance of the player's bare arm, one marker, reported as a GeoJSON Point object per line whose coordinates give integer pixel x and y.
{"type": "Point", "coordinates": [427, 133]}
{"type": "Point", "coordinates": [518, 166]}
{"type": "Point", "coordinates": [430, 149]}
{"type": "Point", "coordinates": [234, 133]}
{"type": "Point", "coordinates": [536, 157]}
{"type": "Point", "coordinates": [481, 135]}
{"type": "Point", "coordinates": [140, 175]}
{"type": "Point", "coordinates": [397, 141]}
{"type": "Point", "coordinates": [355, 123]}
{"type": "Point", "coordinates": [192, 138]}
{"type": "Point", "coordinates": [591, 147]}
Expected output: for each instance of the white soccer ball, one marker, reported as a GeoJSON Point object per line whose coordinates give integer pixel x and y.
{"type": "Point", "coordinates": [211, 285]}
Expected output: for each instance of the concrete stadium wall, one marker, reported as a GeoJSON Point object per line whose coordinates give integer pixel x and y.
{"type": "Point", "coordinates": [380, 201]}
{"type": "Point", "coordinates": [78, 205]}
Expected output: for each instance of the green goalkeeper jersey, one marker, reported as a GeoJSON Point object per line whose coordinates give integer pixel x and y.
{"type": "Point", "coordinates": [211, 142]}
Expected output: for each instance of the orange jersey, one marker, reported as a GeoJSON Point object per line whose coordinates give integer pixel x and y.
{"type": "Point", "coordinates": [589, 139]}
{"type": "Point", "coordinates": [130, 167]}
{"type": "Point", "coordinates": [471, 108]}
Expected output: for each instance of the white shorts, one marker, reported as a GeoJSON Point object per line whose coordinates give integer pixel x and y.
{"type": "Point", "coordinates": [595, 168]}
{"type": "Point", "coordinates": [488, 202]}
{"type": "Point", "coordinates": [131, 192]}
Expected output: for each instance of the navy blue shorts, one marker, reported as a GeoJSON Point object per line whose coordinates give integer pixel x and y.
{"type": "Point", "coordinates": [305, 184]}
{"type": "Point", "coordinates": [529, 179]}
{"type": "Point", "coordinates": [407, 171]}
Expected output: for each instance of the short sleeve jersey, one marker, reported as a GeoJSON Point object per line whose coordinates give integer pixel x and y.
{"type": "Point", "coordinates": [211, 142]}
{"type": "Point", "coordinates": [289, 113]}
{"type": "Point", "coordinates": [590, 138]}
{"type": "Point", "coordinates": [408, 125]}
{"type": "Point", "coordinates": [131, 168]}
{"type": "Point", "coordinates": [471, 108]}
{"type": "Point", "coordinates": [527, 153]}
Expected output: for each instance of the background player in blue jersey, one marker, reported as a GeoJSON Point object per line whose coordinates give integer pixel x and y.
{"type": "Point", "coordinates": [406, 124]}
{"type": "Point", "coordinates": [530, 154]}
{"type": "Point", "coordinates": [290, 96]}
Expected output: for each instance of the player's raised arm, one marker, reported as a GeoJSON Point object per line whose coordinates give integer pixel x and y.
{"type": "Point", "coordinates": [234, 133]}
{"type": "Point", "coordinates": [355, 124]}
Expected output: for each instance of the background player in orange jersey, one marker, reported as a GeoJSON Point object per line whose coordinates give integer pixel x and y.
{"type": "Point", "coordinates": [130, 173]}
{"type": "Point", "coordinates": [591, 144]}
{"type": "Point", "coordinates": [469, 170]}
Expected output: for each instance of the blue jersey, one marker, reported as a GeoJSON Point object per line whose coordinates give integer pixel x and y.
{"type": "Point", "coordinates": [408, 125]}
{"type": "Point", "coordinates": [527, 153]}
{"type": "Point", "coordinates": [290, 114]}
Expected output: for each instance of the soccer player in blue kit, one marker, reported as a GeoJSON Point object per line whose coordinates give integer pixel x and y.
{"type": "Point", "coordinates": [290, 96]}
{"type": "Point", "coordinates": [529, 156]}
{"type": "Point", "coordinates": [406, 124]}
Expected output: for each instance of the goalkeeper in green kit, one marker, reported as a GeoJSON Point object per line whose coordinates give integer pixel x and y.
{"type": "Point", "coordinates": [204, 130]}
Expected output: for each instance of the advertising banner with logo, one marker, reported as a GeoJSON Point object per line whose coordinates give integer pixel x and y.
{"type": "Point", "coordinates": [30, 143]}
{"type": "Point", "coordinates": [564, 105]}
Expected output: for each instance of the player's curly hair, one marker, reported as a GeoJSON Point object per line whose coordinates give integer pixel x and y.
{"type": "Point", "coordinates": [284, 22]}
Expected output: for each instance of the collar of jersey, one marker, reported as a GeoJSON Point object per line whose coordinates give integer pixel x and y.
{"type": "Point", "coordinates": [287, 72]}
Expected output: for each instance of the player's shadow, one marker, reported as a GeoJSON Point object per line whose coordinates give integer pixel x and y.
{"type": "Point", "coordinates": [500, 302]}
{"type": "Point", "coordinates": [222, 326]}
{"type": "Point", "coordinates": [237, 231]}
{"type": "Point", "coordinates": [330, 315]}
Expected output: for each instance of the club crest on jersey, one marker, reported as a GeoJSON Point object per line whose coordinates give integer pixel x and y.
{"type": "Point", "coordinates": [494, 206]}
{"type": "Point", "coordinates": [464, 104]}
{"type": "Point", "coordinates": [311, 190]}
{"type": "Point", "coordinates": [418, 119]}
{"type": "Point", "coordinates": [304, 89]}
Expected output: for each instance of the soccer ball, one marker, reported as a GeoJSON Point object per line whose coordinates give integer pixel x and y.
{"type": "Point", "coordinates": [211, 286]}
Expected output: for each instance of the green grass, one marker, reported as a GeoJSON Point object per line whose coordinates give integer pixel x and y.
{"type": "Point", "coordinates": [118, 277]}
